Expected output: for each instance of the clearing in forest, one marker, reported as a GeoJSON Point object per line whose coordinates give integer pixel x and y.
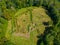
{"type": "Point", "coordinates": [28, 23]}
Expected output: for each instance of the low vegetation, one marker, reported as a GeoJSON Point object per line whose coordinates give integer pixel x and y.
{"type": "Point", "coordinates": [29, 22]}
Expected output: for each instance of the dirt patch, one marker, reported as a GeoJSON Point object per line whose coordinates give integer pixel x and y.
{"type": "Point", "coordinates": [27, 35]}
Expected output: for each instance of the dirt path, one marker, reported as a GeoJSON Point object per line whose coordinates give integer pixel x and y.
{"type": "Point", "coordinates": [27, 35]}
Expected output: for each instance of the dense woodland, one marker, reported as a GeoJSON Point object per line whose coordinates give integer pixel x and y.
{"type": "Point", "coordinates": [9, 7]}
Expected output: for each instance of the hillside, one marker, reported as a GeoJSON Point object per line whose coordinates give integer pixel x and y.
{"type": "Point", "coordinates": [28, 25]}
{"type": "Point", "coordinates": [29, 22]}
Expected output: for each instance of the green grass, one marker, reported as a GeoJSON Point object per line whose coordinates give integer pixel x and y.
{"type": "Point", "coordinates": [3, 23]}
{"type": "Point", "coordinates": [24, 17]}
{"type": "Point", "coordinates": [31, 15]}
{"type": "Point", "coordinates": [3, 28]}
{"type": "Point", "coordinates": [2, 20]}
{"type": "Point", "coordinates": [24, 41]}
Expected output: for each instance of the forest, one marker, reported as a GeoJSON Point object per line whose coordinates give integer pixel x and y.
{"type": "Point", "coordinates": [29, 22]}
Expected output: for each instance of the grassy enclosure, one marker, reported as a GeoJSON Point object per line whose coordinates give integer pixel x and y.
{"type": "Point", "coordinates": [29, 22]}
{"type": "Point", "coordinates": [27, 25]}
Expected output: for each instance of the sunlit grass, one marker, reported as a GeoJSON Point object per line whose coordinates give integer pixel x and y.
{"type": "Point", "coordinates": [25, 17]}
